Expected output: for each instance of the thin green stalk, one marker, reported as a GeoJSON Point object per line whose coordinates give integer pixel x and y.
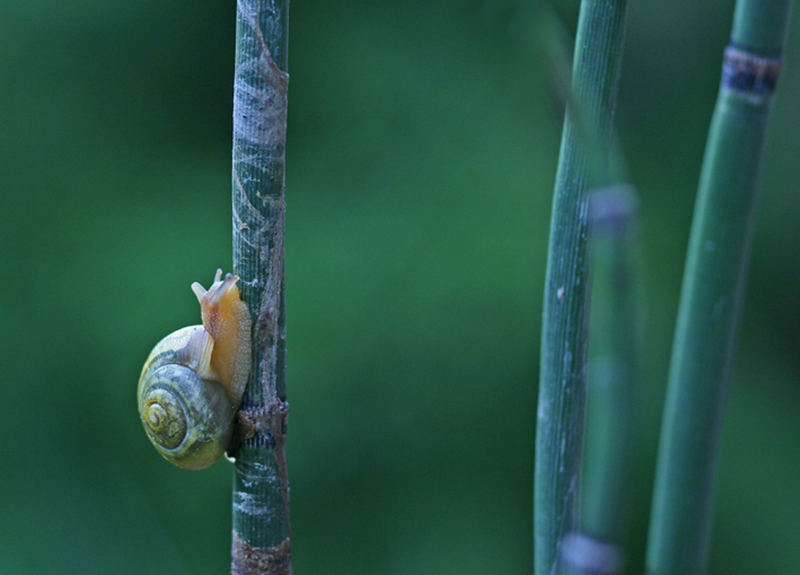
{"type": "Point", "coordinates": [261, 532]}
{"type": "Point", "coordinates": [612, 351]}
{"type": "Point", "coordinates": [560, 417]}
{"type": "Point", "coordinates": [598, 547]}
{"type": "Point", "coordinates": [713, 284]}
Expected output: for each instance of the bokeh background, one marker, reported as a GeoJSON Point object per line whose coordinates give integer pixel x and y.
{"type": "Point", "coordinates": [423, 139]}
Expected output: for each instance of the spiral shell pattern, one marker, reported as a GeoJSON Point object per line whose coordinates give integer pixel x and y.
{"type": "Point", "coordinates": [187, 418]}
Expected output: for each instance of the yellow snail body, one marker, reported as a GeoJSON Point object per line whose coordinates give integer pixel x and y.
{"type": "Point", "coordinates": [192, 382]}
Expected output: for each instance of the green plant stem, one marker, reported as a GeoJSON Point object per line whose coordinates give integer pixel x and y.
{"type": "Point", "coordinates": [261, 532]}
{"type": "Point", "coordinates": [607, 463]}
{"type": "Point", "coordinates": [713, 284]}
{"type": "Point", "coordinates": [605, 489]}
{"type": "Point", "coordinates": [560, 413]}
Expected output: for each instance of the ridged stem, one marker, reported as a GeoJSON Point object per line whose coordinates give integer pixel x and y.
{"type": "Point", "coordinates": [560, 414]}
{"type": "Point", "coordinates": [261, 532]}
{"type": "Point", "coordinates": [713, 284]}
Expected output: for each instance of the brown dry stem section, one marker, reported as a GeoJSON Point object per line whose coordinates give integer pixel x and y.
{"type": "Point", "coordinates": [273, 419]}
{"type": "Point", "coordinates": [248, 560]}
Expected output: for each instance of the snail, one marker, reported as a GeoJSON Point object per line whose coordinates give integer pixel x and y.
{"type": "Point", "coordinates": [192, 382]}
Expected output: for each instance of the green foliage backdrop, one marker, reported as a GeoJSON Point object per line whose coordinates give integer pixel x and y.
{"type": "Point", "coordinates": [421, 157]}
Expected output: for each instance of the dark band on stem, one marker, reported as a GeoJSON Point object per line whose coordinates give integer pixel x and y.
{"type": "Point", "coordinates": [745, 72]}
{"type": "Point", "coordinates": [260, 427]}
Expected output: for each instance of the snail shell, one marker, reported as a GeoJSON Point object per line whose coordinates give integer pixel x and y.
{"type": "Point", "coordinates": [192, 382]}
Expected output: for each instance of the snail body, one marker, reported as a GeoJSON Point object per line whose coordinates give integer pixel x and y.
{"type": "Point", "coordinates": [193, 380]}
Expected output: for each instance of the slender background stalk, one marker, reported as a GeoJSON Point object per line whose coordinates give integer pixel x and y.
{"type": "Point", "coordinates": [711, 295]}
{"type": "Point", "coordinates": [607, 459]}
{"type": "Point", "coordinates": [560, 414]}
{"type": "Point", "coordinates": [598, 547]}
{"type": "Point", "coordinates": [261, 532]}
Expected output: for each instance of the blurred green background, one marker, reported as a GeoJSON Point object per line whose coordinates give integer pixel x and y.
{"type": "Point", "coordinates": [423, 140]}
